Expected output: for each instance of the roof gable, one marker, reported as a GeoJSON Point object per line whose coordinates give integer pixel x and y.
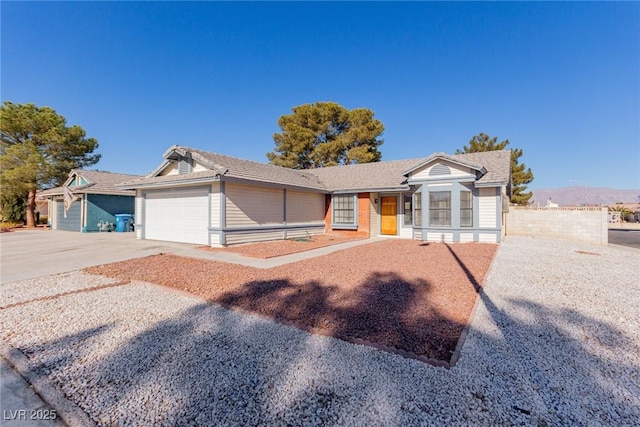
{"type": "Point", "coordinates": [75, 179]}
{"type": "Point", "coordinates": [442, 168]}
{"type": "Point", "coordinates": [442, 159]}
{"type": "Point", "coordinates": [93, 182]}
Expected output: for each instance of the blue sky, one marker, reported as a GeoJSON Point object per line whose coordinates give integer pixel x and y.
{"type": "Point", "coordinates": [559, 80]}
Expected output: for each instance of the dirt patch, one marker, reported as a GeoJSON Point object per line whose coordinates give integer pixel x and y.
{"type": "Point", "coordinates": [282, 247]}
{"type": "Point", "coordinates": [587, 253]}
{"type": "Point", "coordinates": [401, 294]}
{"type": "Point", "coordinates": [8, 227]}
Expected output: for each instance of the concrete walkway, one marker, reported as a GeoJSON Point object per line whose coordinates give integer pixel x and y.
{"type": "Point", "coordinates": [271, 262]}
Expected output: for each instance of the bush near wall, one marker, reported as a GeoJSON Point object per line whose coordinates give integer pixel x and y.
{"type": "Point", "coordinates": [13, 208]}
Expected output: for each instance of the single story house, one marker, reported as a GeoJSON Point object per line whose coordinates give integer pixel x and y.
{"type": "Point", "coordinates": [92, 199]}
{"type": "Point", "coordinates": [199, 197]}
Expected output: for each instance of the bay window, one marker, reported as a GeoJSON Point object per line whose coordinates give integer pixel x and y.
{"type": "Point", "coordinates": [417, 209]}
{"type": "Point", "coordinates": [440, 209]}
{"type": "Point", "coordinates": [466, 209]}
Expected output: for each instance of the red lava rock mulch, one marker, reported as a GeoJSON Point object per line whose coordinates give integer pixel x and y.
{"type": "Point", "coordinates": [402, 294]}
{"type": "Point", "coordinates": [282, 247]}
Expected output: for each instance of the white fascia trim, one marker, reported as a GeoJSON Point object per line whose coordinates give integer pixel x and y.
{"type": "Point", "coordinates": [372, 190]}
{"type": "Point", "coordinates": [159, 169]}
{"type": "Point", "coordinates": [170, 183]}
{"type": "Point", "coordinates": [490, 184]}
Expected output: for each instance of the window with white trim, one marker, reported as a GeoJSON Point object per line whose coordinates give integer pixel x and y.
{"type": "Point", "coordinates": [408, 209]}
{"type": "Point", "coordinates": [440, 209]}
{"type": "Point", "coordinates": [417, 209]}
{"type": "Point", "coordinates": [344, 212]}
{"type": "Point", "coordinates": [466, 209]}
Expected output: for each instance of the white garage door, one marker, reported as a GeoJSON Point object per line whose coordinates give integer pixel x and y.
{"type": "Point", "coordinates": [177, 215]}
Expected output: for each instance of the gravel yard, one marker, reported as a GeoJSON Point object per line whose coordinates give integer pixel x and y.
{"type": "Point", "coordinates": [283, 247]}
{"type": "Point", "coordinates": [401, 294]}
{"type": "Point", "coordinates": [555, 340]}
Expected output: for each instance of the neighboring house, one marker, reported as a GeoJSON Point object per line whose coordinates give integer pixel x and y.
{"type": "Point", "coordinates": [632, 214]}
{"type": "Point", "coordinates": [96, 200]}
{"type": "Point", "coordinates": [614, 216]}
{"type": "Point", "coordinates": [42, 205]}
{"type": "Point", "coordinates": [200, 197]}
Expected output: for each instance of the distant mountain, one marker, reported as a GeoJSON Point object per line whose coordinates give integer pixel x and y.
{"type": "Point", "coordinates": [575, 196]}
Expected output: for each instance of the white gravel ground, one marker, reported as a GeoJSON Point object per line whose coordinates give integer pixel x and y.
{"type": "Point", "coordinates": [555, 341]}
{"type": "Point", "coordinates": [31, 290]}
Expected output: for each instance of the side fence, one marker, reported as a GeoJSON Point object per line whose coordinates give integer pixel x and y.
{"type": "Point", "coordinates": [584, 224]}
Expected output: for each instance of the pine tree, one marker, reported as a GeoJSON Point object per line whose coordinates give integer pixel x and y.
{"type": "Point", "coordinates": [521, 176]}
{"type": "Point", "coordinates": [38, 150]}
{"type": "Point", "coordinates": [326, 134]}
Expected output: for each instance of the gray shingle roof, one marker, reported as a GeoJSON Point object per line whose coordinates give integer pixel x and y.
{"type": "Point", "coordinates": [373, 176]}
{"type": "Point", "coordinates": [98, 182]}
{"type": "Point", "coordinates": [360, 177]}
{"type": "Point", "coordinates": [231, 167]}
{"type": "Point", "coordinates": [261, 172]}
{"type": "Point", "coordinates": [497, 164]}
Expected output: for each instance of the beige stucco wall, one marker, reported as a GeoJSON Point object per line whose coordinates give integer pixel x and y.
{"type": "Point", "coordinates": [584, 224]}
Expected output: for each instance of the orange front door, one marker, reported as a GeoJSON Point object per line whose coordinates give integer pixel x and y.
{"type": "Point", "coordinates": [389, 219]}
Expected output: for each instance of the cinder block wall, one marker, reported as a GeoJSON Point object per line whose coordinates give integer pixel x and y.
{"type": "Point", "coordinates": [584, 224]}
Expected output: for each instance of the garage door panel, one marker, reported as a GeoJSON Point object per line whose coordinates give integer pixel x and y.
{"type": "Point", "coordinates": [72, 221]}
{"type": "Point", "coordinates": [177, 215]}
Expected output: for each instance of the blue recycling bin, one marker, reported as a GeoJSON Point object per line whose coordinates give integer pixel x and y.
{"type": "Point", "coordinates": [123, 222]}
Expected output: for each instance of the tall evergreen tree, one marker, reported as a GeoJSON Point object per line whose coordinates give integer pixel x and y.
{"type": "Point", "coordinates": [326, 134]}
{"type": "Point", "coordinates": [38, 150]}
{"type": "Point", "coordinates": [521, 176]}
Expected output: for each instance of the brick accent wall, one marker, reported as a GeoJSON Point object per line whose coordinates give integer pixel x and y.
{"type": "Point", "coordinates": [364, 212]}
{"type": "Point", "coordinates": [327, 214]}
{"type": "Point", "coordinates": [364, 218]}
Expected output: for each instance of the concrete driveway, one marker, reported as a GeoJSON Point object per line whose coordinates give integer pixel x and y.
{"type": "Point", "coordinates": [33, 253]}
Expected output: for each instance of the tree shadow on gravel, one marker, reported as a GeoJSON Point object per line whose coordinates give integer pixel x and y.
{"type": "Point", "coordinates": [66, 350]}
{"type": "Point", "coordinates": [210, 366]}
{"type": "Point", "coordinates": [385, 310]}
{"type": "Point", "coordinates": [472, 279]}
{"type": "Point", "coordinates": [568, 366]}
{"type": "Point", "coordinates": [566, 374]}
